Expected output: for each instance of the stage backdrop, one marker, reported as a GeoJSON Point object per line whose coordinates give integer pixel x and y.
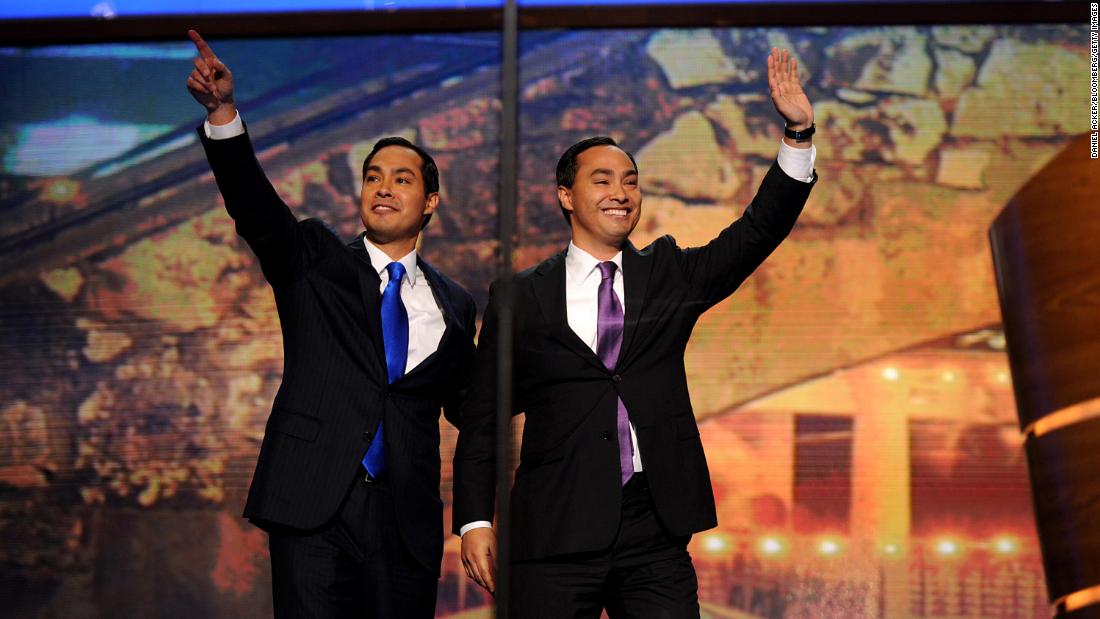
{"type": "Point", "coordinates": [854, 396]}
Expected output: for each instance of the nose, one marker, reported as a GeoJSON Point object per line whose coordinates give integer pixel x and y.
{"type": "Point", "coordinates": [384, 190]}
{"type": "Point", "coordinates": [619, 195]}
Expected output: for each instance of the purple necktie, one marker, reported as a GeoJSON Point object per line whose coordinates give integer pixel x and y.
{"type": "Point", "coordinates": [609, 338]}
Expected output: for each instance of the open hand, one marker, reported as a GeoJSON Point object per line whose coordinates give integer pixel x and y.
{"type": "Point", "coordinates": [479, 555]}
{"type": "Point", "coordinates": [786, 91]}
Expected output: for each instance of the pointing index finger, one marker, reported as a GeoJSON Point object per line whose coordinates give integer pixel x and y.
{"type": "Point", "coordinates": [200, 44]}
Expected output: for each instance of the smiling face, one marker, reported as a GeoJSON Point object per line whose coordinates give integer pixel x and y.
{"type": "Point", "coordinates": [604, 202]}
{"type": "Point", "coordinates": [393, 203]}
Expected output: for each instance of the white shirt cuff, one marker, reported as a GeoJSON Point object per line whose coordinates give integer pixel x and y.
{"type": "Point", "coordinates": [231, 129]}
{"type": "Point", "coordinates": [797, 163]}
{"type": "Point", "coordinates": [478, 524]}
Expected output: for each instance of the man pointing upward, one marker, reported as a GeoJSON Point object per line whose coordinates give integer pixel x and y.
{"type": "Point", "coordinates": [375, 342]}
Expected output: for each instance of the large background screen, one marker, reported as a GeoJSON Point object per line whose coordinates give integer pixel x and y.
{"type": "Point", "coordinates": [853, 396]}
{"type": "Point", "coordinates": [49, 9]}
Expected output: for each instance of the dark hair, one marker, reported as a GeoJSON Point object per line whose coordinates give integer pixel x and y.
{"type": "Point", "coordinates": [428, 169]}
{"type": "Point", "coordinates": [567, 163]}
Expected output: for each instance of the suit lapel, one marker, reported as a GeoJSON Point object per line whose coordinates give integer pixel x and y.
{"type": "Point", "coordinates": [548, 285]}
{"type": "Point", "coordinates": [372, 298]}
{"type": "Point", "coordinates": [637, 268]}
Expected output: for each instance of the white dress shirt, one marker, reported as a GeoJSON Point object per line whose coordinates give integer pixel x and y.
{"type": "Point", "coordinates": [797, 163]}
{"type": "Point", "coordinates": [230, 129]}
{"type": "Point", "coordinates": [426, 325]}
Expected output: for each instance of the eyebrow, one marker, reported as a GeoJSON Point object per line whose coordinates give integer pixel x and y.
{"type": "Point", "coordinates": [377, 168]}
{"type": "Point", "coordinates": [608, 172]}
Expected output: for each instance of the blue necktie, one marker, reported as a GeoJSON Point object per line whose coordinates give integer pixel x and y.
{"type": "Point", "coordinates": [395, 336]}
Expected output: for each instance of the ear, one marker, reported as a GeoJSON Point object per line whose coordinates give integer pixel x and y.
{"type": "Point", "coordinates": [431, 203]}
{"type": "Point", "coordinates": [565, 196]}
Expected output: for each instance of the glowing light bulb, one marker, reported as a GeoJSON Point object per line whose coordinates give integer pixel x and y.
{"type": "Point", "coordinates": [1005, 545]}
{"type": "Point", "coordinates": [828, 547]}
{"type": "Point", "coordinates": [947, 547]}
{"type": "Point", "coordinates": [771, 546]}
{"type": "Point", "coordinates": [715, 543]}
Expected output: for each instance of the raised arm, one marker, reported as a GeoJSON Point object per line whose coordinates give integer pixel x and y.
{"type": "Point", "coordinates": [718, 268]}
{"type": "Point", "coordinates": [263, 219]}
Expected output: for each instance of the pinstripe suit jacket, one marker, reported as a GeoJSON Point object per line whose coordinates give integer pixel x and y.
{"type": "Point", "coordinates": [334, 391]}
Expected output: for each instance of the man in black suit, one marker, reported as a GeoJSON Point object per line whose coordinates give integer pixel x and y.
{"type": "Point", "coordinates": [375, 342]}
{"type": "Point", "coordinates": [612, 479]}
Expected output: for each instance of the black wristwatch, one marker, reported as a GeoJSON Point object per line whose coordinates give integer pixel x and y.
{"type": "Point", "coordinates": [799, 136]}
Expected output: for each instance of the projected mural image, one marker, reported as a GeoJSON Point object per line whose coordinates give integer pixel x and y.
{"type": "Point", "coordinates": [853, 396]}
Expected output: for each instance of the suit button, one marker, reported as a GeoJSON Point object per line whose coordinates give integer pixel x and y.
{"type": "Point", "coordinates": [366, 435]}
{"type": "Point", "coordinates": [606, 436]}
{"type": "Point", "coordinates": [618, 378]}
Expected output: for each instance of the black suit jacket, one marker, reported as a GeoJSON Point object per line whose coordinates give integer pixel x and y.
{"type": "Point", "coordinates": [566, 495]}
{"type": "Point", "coordinates": [334, 391]}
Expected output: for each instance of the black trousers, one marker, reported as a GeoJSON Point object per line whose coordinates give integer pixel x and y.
{"type": "Point", "coordinates": [646, 573]}
{"type": "Point", "coordinates": [354, 566]}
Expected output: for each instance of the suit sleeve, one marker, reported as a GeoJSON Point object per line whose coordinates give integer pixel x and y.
{"type": "Point", "coordinates": [475, 453]}
{"type": "Point", "coordinates": [262, 218]}
{"type": "Point", "coordinates": [452, 408]}
{"type": "Point", "coordinates": [715, 270]}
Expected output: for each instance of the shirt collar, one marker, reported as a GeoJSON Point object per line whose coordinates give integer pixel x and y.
{"type": "Point", "coordinates": [579, 264]}
{"type": "Point", "coordinates": [379, 260]}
